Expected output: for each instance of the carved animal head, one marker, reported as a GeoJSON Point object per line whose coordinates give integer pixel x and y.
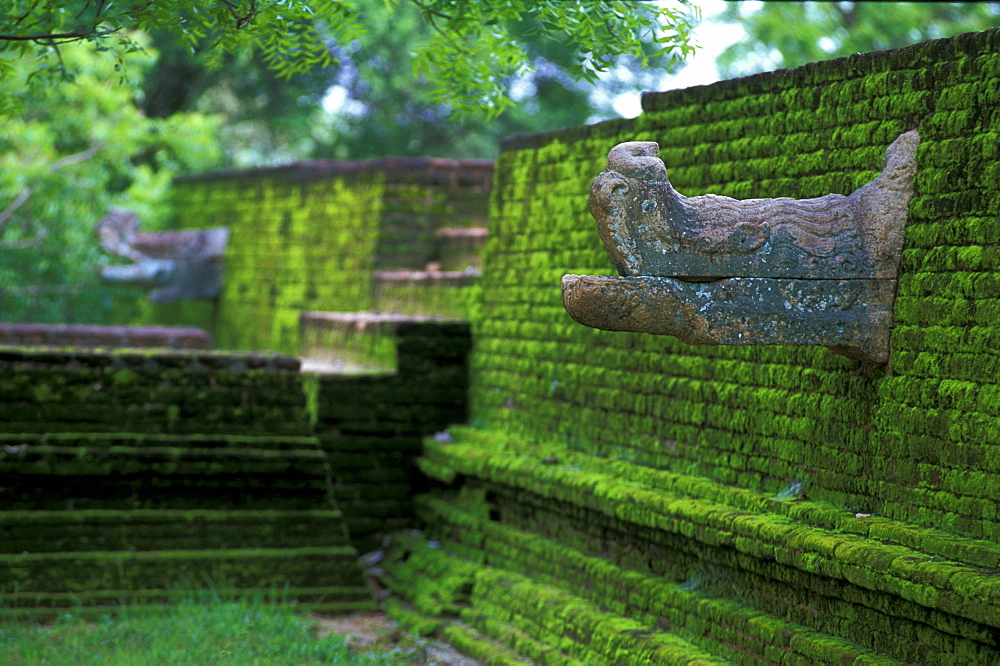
{"type": "Point", "coordinates": [607, 204]}
{"type": "Point", "coordinates": [639, 160]}
{"type": "Point", "coordinates": [117, 232]}
{"type": "Point", "coordinates": [618, 193]}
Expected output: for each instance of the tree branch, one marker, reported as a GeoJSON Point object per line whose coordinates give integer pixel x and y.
{"type": "Point", "coordinates": [34, 241]}
{"type": "Point", "coordinates": [69, 36]}
{"type": "Point", "coordinates": [86, 6]}
{"type": "Point", "coordinates": [243, 20]}
{"type": "Point", "coordinates": [62, 162]}
{"type": "Point", "coordinates": [848, 16]}
{"type": "Point", "coordinates": [431, 15]}
{"type": "Point", "coordinates": [91, 28]}
{"type": "Point", "coordinates": [431, 12]}
{"type": "Point", "coordinates": [76, 158]}
{"type": "Point", "coordinates": [9, 210]}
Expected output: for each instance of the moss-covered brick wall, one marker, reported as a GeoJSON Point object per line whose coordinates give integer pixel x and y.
{"type": "Point", "coordinates": [127, 472]}
{"type": "Point", "coordinates": [310, 236]}
{"type": "Point", "coordinates": [155, 391]}
{"type": "Point", "coordinates": [913, 441]}
{"type": "Point", "coordinates": [371, 425]}
{"type": "Point", "coordinates": [781, 504]}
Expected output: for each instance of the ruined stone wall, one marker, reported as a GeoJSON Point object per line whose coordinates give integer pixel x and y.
{"type": "Point", "coordinates": [125, 473]}
{"type": "Point", "coordinates": [371, 426]}
{"type": "Point", "coordinates": [315, 235]}
{"type": "Point", "coordinates": [627, 498]}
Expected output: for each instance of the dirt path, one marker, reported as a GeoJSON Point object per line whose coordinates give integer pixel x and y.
{"type": "Point", "coordinates": [374, 633]}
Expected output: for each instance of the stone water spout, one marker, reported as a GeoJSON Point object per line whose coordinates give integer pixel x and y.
{"type": "Point", "coordinates": [171, 264]}
{"type": "Point", "coordinates": [712, 270]}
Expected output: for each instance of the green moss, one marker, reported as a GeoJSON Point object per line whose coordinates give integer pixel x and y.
{"type": "Point", "coordinates": [754, 416]}
{"type": "Point", "coordinates": [277, 264]}
{"type": "Point", "coordinates": [648, 499]}
{"type": "Point", "coordinates": [44, 393]}
{"type": "Point", "coordinates": [250, 568]}
{"type": "Point", "coordinates": [585, 439]}
{"type": "Point", "coordinates": [415, 622]}
{"type": "Point", "coordinates": [310, 240]}
{"type": "Point", "coordinates": [164, 529]}
{"type": "Point", "coordinates": [620, 567]}
{"type": "Point", "coordinates": [487, 651]}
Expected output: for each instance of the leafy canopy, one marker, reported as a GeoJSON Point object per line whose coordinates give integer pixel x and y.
{"type": "Point", "coordinates": [474, 49]}
{"type": "Point", "coordinates": [371, 103]}
{"type": "Point", "coordinates": [789, 34]}
{"type": "Point", "coordinates": [71, 153]}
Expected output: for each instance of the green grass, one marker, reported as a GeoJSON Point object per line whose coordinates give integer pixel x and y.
{"type": "Point", "coordinates": [196, 628]}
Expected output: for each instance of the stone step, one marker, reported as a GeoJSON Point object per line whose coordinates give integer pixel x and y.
{"type": "Point", "coordinates": [425, 292]}
{"type": "Point", "coordinates": [56, 389]}
{"type": "Point", "coordinates": [16, 443]}
{"type": "Point", "coordinates": [364, 342]}
{"type": "Point", "coordinates": [513, 619]}
{"type": "Point", "coordinates": [42, 606]}
{"type": "Point", "coordinates": [165, 529]}
{"type": "Point", "coordinates": [91, 335]}
{"type": "Point", "coordinates": [475, 233]}
{"type": "Point", "coordinates": [450, 248]}
{"type": "Point", "coordinates": [461, 248]}
{"type": "Point", "coordinates": [771, 575]}
{"type": "Point", "coordinates": [91, 460]}
{"type": "Point", "coordinates": [429, 278]}
{"type": "Point", "coordinates": [34, 576]}
{"type": "Point", "coordinates": [114, 471]}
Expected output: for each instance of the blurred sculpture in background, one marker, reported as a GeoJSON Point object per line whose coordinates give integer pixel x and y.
{"type": "Point", "coordinates": [170, 264]}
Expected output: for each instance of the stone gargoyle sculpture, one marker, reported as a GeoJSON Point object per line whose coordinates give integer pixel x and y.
{"type": "Point", "coordinates": [171, 264]}
{"type": "Point", "coordinates": [711, 270]}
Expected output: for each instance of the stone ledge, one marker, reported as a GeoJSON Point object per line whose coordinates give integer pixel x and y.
{"type": "Point", "coordinates": [443, 278]}
{"type": "Point", "coordinates": [147, 358]}
{"type": "Point", "coordinates": [82, 530]}
{"type": "Point", "coordinates": [87, 335]}
{"type": "Point", "coordinates": [464, 232]}
{"type": "Point", "coordinates": [402, 170]}
{"type": "Point", "coordinates": [376, 343]}
{"type": "Point", "coordinates": [518, 611]}
{"type": "Point", "coordinates": [11, 442]}
{"type": "Point", "coordinates": [750, 522]}
{"type": "Point", "coordinates": [361, 321]}
{"type": "Point", "coordinates": [852, 317]}
{"type": "Point", "coordinates": [39, 583]}
{"type": "Point", "coordinates": [116, 517]}
{"type": "Point", "coordinates": [43, 605]}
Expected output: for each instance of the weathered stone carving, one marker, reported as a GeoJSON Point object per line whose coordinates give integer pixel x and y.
{"type": "Point", "coordinates": [171, 264]}
{"type": "Point", "coordinates": [714, 270]}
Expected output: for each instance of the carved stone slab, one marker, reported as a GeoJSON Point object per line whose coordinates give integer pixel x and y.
{"type": "Point", "coordinates": [171, 264]}
{"type": "Point", "coordinates": [649, 228]}
{"type": "Point", "coordinates": [848, 315]}
{"type": "Point", "coordinates": [714, 270]}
